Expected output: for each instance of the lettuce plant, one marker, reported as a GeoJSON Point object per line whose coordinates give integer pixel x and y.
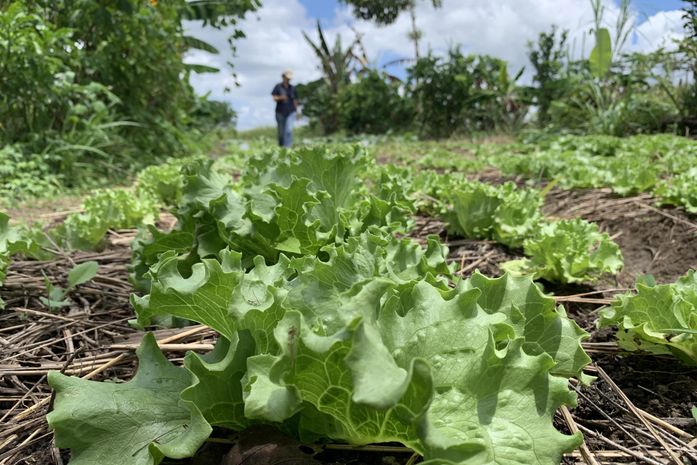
{"type": "Point", "coordinates": [568, 251]}
{"type": "Point", "coordinates": [18, 240]}
{"type": "Point", "coordinates": [680, 190]}
{"type": "Point", "coordinates": [366, 342]}
{"type": "Point", "coordinates": [661, 319]}
{"type": "Point", "coordinates": [503, 213]}
{"type": "Point", "coordinates": [293, 203]}
{"type": "Point", "coordinates": [105, 209]}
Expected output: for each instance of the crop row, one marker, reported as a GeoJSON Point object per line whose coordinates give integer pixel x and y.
{"type": "Point", "coordinates": [331, 327]}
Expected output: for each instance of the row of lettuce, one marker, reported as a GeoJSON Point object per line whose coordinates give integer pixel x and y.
{"type": "Point", "coordinates": [334, 328]}
{"type": "Point", "coordinates": [662, 165]}
{"type": "Point", "coordinates": [561, 251]}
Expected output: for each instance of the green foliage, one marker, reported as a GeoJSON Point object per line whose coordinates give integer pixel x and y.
{"type": "Point", "coordinates": [80, 274]}
{"type": "Point", "coordinates": [109, 91]}
{"type": "Point", "coordinates": [689, 48]}
{"type": "Point", "coordinates": [211, 114]}
{"type": "Point", "coordinates": [337, 65]}
{"type": "Point", "coordinates": [34, 50]}
{"type": "Point", "coordinates": [660, 319]}
{"type": "Point", "coordinates": [330, 326]}
{"type": "Point", "coordinates": [546, 57]}
{"type": "Point", "coordinates": [568, 251]}
{"type": "Point", "coordinates": [139, 422]}
{"type": "Point", "coordinates": [618, 106]}
{"type": "Point", "coordinates": [104, 210]}
{"type": "Point", "coordinates": [680, 190]}
{"type": "Point", "coordinates": [464, 93]}
{"type": "Point", "coordinates": [565, 251]}
{"type": "Point", "coordinates": [627, 165]}
{"type": "Point", "coordinates": [382, 11]}
{"type": "Point", "coordinates": [163, 182]}
{"type": "Point", "coordinates": [372, 105]}
{"type": "Point", "coordinates": [22, 175]}
{"type": "Point", "coordinates": [292, 202]}
{"type": "Point", "coordinates": [17, 240]}
{"type": "Point", "coordinates": [319, 105]}
{"type": "Point", "coordinates": [600, 59]}
{"type": "Point", "coordinates": [503, 213]}
{"type": "Point", "coordinates": [363, 346]}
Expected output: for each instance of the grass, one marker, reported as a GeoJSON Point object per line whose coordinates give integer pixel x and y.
{"type": "Point", "coordinates": [269, 132]}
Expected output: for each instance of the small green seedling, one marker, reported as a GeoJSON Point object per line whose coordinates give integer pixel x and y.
{"type": "Point", "coordinates": [57, 296]}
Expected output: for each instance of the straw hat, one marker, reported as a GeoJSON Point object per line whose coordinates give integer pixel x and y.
{"type": "Point", "coordinates": [288, 74]}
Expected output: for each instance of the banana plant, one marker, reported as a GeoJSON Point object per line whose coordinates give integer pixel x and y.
{"type": "Point", "coordinates": [605, 49]}
{"type": "Point", "coordinates": [601, 56]}
{"type": "Point", "coordinates": [337, 63]}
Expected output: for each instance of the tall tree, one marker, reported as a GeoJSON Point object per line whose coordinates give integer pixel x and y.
{"type": "Point", "coordinates": [387, 12]}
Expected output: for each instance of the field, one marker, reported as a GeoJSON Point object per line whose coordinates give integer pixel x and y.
{"type": "Point", "coordinates": [316, 263]}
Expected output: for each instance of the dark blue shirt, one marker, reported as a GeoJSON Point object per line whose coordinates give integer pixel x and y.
{"type": "Point", "coordinates": [285, 107]}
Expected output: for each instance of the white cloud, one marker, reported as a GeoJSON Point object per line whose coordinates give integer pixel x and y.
{"type": "Point", "coordinates": [500, 28]}
{"type": "Point", "coordinates": [660, 30]}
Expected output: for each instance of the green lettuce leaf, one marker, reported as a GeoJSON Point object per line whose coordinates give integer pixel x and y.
{"type": "Point", "coordinates": [680, 190]}
{"type": "Point", "coordinates": [660, 319]}
{"type": "Point", "coordinates": [568, 251]}
{"type": "Point", "coordinates": [536, 318]}
{"type": "Point", "coordinates": [136, 423]}
{"type": "Point", "coordinates": [217, 386]}
{"type": "Point", "coordinates": [504, 213]}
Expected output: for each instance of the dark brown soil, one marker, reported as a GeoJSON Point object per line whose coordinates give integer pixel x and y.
{"type": "Point", "coordinates": [657, 241]}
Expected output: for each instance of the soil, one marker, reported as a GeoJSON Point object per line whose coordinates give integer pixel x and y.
{"type": "Point", "coordinates": [657, 241]}
{"type": "Point", "coordinates": [46, 211]}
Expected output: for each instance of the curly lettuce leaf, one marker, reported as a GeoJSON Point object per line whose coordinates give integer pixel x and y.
{"type": "Point", "coordinates": [661, 319]}
{"type": "Point", "coordinates": [535, 317]}
{"type": "Point", "coordinates": [568, 251]}
{"type": "Point", "coordinates": [504, 213]}
{"type": "Point", "coordinates": [135, 423]}
{"type": "Point", "coordinates": [680, 190]}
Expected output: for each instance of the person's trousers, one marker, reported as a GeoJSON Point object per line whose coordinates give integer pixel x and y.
{"type": "Point", "coordinates": [285, 129]}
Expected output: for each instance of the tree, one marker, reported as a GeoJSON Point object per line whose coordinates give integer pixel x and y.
{"type": "Point", "coordinates": [547, 58]}
{"type": "Point", "coordinates": [387, 12]}
{"type": "Point", "coordinates": [464, 93]}
{"type": "Point", "coordinates": [109, 87]}
{"type": "Point", "coordinates": [373, 105]}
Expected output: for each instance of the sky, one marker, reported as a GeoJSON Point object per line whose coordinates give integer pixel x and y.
{"type": "Point", "coordinates": [501, 28]}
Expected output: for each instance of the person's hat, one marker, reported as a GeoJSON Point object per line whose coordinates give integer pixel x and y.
{"type": "Point", "coordinates": [287, 74]}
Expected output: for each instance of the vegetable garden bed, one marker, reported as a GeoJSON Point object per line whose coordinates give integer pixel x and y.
{"type": "Point", "coordinates": [638, 410]}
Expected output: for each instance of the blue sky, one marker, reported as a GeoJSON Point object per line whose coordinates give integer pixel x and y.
{"type": "Point", "coordinates": [500, 28]}
{"type": "Point", "coordinates": [325, 9]}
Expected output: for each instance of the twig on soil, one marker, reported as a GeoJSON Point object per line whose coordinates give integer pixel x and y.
{"type": "Point", "coordinates": [631, 406]}
{"type": "Point", "coordinates": [475, 263]}
{"type": "Point", "coordinates": [370, 448]}
{"type": "Point", "coordinates": [573, 427]}
{"type": "Point", "coordinates": [166, 347]}
{"type": "Point", "coordinates": [618, 446]}
{"type": "Point", "coordinates": [612, 420]}
{"type": "Point", "coordinates": [667, 215]}
{"type": "Point", "coordinates": [582, 300]}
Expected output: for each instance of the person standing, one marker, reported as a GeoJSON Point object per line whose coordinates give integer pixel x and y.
{"type": "Point", "coordinates": [287, 103]}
